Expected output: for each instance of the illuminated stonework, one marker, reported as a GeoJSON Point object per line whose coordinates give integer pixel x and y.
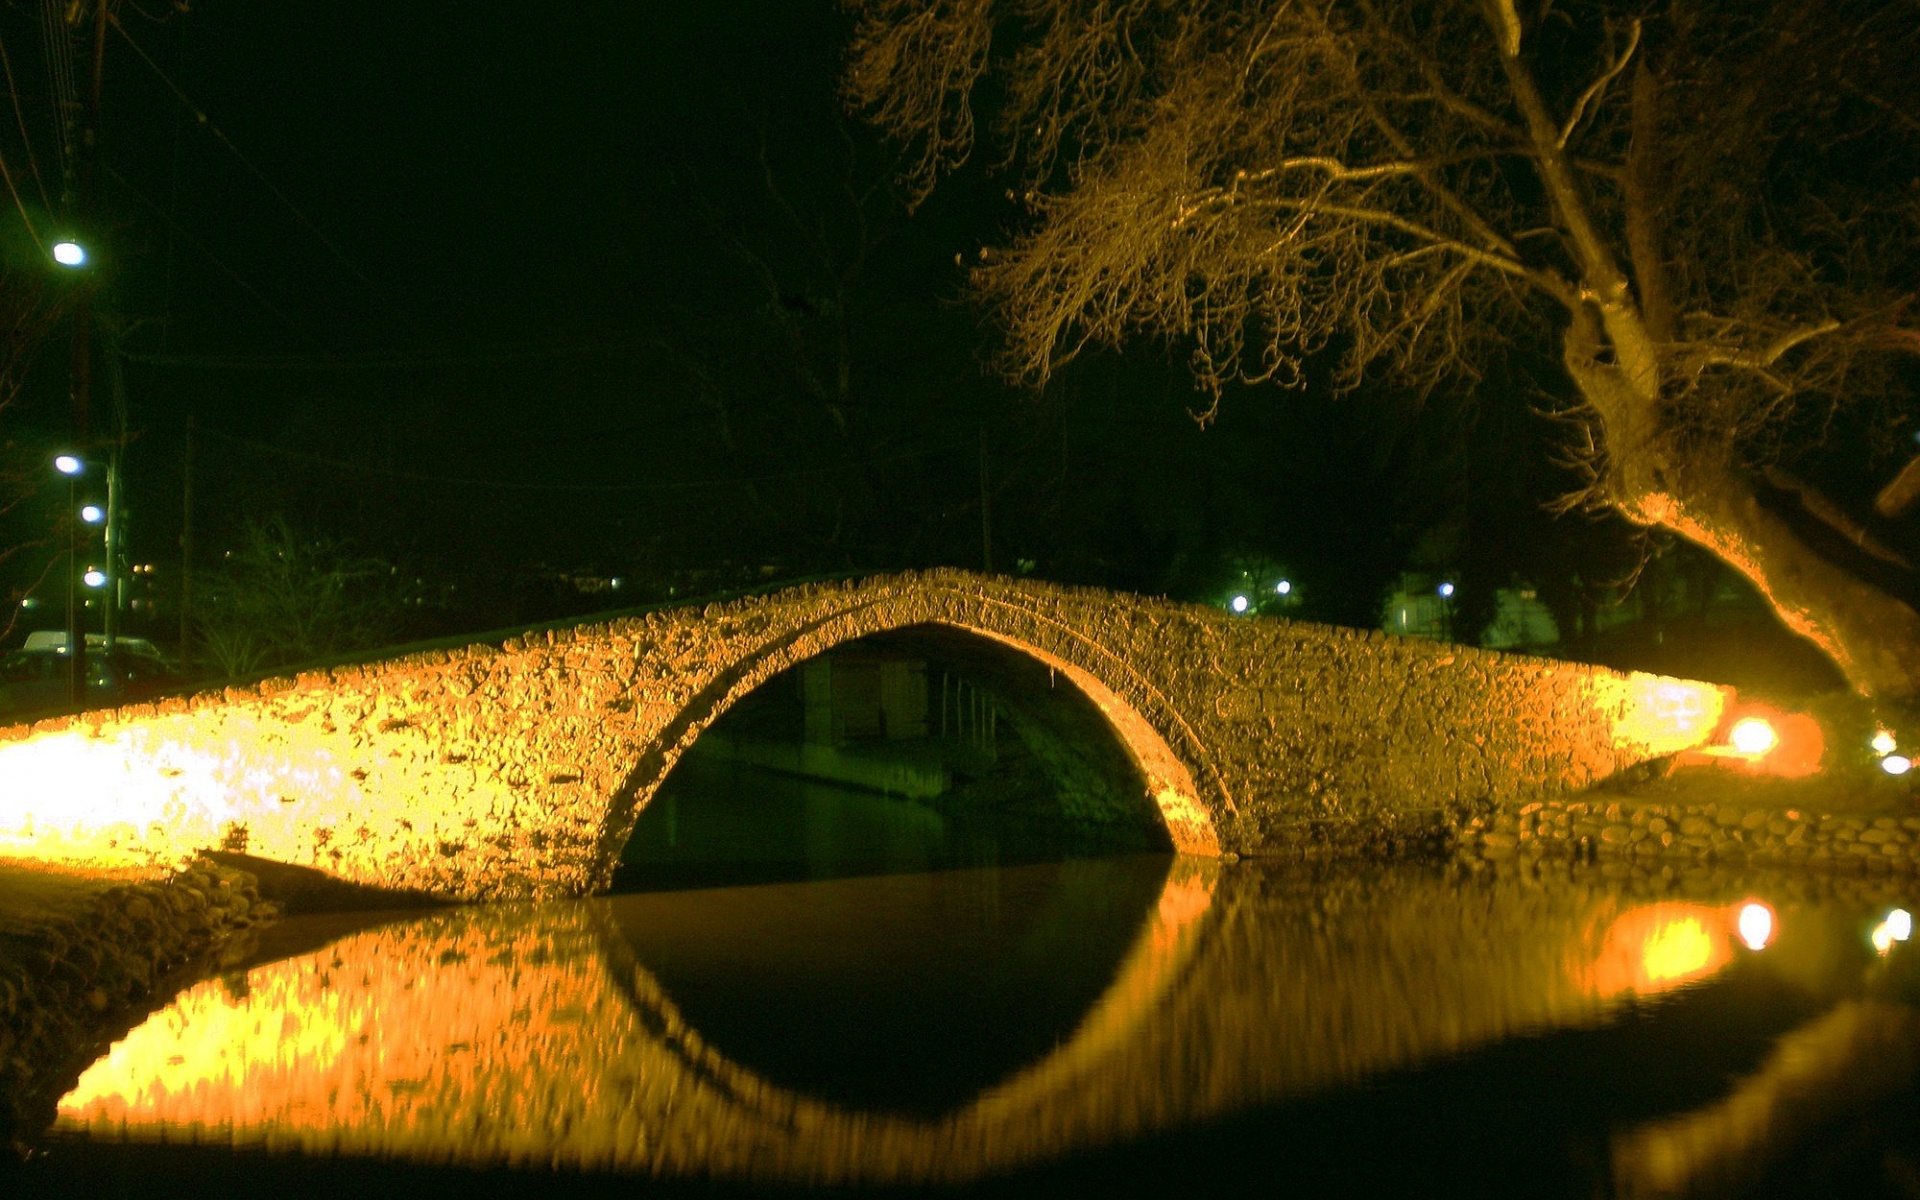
{"type": "Point", "coordinates": [515, 769]}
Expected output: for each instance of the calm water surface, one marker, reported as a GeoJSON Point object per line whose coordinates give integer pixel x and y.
{"type": "Point", "coordinates": [1117, 1024]}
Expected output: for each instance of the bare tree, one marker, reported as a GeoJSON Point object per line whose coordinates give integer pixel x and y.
{"type": "Point", "coordinates": [1707, 206]}
{"type": "Point", "coordinates": [284, 597]}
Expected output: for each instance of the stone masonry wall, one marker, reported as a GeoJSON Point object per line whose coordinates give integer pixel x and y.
{"type": "Point", "coordinates": [515, 769]}
{"type": "Point", "coordinates": [1712, 834]}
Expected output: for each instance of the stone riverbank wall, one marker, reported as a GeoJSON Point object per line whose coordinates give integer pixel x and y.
{"type": "Point", "coordinates": [515, 768]}
{"type": "Point", "coordinates": [1716, 834]}
{"type": "Point", "coordinates": [64, 983]}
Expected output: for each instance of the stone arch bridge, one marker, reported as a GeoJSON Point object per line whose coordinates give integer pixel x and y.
{"type": "Point", "coordinates": [515, 769]}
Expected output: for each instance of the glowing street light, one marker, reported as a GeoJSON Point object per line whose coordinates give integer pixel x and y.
{"type": "Point", "coordinates": [94, 578]}
{"type": "Point", "coordinates": [69, 253]}
{"type": "Point", "coordinates": [1239, 604]}
{"type": "Point", "coordinates": [1896, 764]}
{"type": "Point", "coordinates": [1883, 742]}
{"type": "Point", "coordinates": [1283, 588]}
{"type": "Point", "coordinates": [1445, 590]}
{"type": "Point", "coordinates": [93, 514]}
{"type": "Point", "coordinates": [67, 464]}
{"type": "Point", "coordinates": [1753, 736]}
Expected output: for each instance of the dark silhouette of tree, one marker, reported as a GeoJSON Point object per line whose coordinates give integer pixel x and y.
{"type": "Point", "coordinates": [1706, 207]}
{"type": "Point", "coordinates": [285, 597]}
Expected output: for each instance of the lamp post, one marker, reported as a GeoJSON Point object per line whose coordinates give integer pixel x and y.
{"type": "Point", "coordinates": [73, 467]}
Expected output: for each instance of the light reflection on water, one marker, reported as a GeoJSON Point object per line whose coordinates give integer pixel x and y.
{"type": "Point", "coordinates": [622, 1034]}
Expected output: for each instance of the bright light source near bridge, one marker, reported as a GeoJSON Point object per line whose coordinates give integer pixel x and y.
{"type": "Point", "coordinates": [1755, 925]}
{"type": "Point", "coordinates": [1896, 764]}
{"type": "Point", "coordinates": [1239, 604]}
{"type": "Point", "coordinates": [1752, 736]}
{"type": "Point", "coordinates": [70, 254]}
{"type": "Point", "coordinates": [1766, 741]}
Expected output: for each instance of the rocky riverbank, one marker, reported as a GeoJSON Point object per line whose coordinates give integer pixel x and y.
{"type": "Point", "coordinates": [72, 981]}
{"type": "Point", "coordinates": [1710, 832]}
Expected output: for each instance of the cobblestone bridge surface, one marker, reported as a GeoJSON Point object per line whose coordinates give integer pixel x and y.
{"type": "Point", "coordinates": [516, 768]}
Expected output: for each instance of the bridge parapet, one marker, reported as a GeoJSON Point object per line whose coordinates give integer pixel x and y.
{"type": "Point", "coordinates": [516, 768]}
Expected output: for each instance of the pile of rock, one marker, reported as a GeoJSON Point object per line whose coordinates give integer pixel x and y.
{"type": "Point", "coordinates": [63, 982]}
{"type": "Point", "coordinates": [1711, 832]}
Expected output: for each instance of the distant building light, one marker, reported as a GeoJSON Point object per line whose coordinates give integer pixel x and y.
{"type": "Point", "coordinates": [618, 583]}
{"type": "Point", "coordinates": [1896, 764]}
{"type": "Point", "coordinates": [95, 577]}
{"type": "Point", "coordinates": [92, 514]}
{"type": "Point", "coordinates": [1284, 587]}
{"type": "Point", "coordinates": [70, 254]}
{"type": "Point", "coordinates": [1446, 590]}
{"type": "Point", "coordinates": [1239, 604]}
{"type": "Point", "coordinates": [29, 602]}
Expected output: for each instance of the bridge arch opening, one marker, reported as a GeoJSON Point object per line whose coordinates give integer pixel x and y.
{"type": "Point", "coordinates": [923, 746]}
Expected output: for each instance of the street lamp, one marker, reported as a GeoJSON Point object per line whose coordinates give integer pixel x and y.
{"type": "Point", "coordinates": [69, 253]}
{"type": "Point", "coordinates": [74, 467]}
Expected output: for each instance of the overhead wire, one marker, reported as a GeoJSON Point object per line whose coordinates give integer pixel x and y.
{"type": "Point", "coordinates": [210, 256]}
{"type": "Point", "coordinates": [60, 83]}
{"type": "Point", "coordinates": [220, 135]}
{"type": "Point", "coordinates": [20, 121]}
{"type": "Point", "coordinates": [7, 174]}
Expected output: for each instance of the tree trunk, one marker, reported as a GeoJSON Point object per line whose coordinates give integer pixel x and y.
{"type": "Point", "coordinates": [1872, 637]}
{"type": "Point", "coordinates": [1700, 493]}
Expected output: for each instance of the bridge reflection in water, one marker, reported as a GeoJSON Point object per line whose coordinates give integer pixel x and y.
{"type": "Point", "coordinates": [541, 1035]}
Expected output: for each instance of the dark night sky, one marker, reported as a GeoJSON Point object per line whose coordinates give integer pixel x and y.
{"type": "Point", "coordinates": [562, 287]}
{"type": "Point", "coordinates": [530, 210]}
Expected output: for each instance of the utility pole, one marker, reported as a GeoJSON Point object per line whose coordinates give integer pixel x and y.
{"type": "Point", "coordinates": [186, 554]}
{"type": "Point", "coordinates": [82, 362]}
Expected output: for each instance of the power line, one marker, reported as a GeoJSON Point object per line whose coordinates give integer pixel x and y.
{"type": "Point", "coordinates": [516, 486]}
{"type": "Point", "coordinates": [211, 257]}
{"type": "Point", "coordinates": [200, 116]}
{"type": "Point", "coordinates": [66, 99]}
{"type": "Point", "coordinates": [7, 174]}
{"type": "Point", "coordinates": [20, 120]}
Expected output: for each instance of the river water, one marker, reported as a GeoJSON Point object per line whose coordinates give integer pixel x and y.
{"type": "Point", "coordinates": [1106, 1025]}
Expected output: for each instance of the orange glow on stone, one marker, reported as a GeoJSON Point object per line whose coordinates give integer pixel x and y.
{"type": "Point", "coordinates": [1793, 750]}
{"type": "Point", "coordinates": [1653, 716]}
